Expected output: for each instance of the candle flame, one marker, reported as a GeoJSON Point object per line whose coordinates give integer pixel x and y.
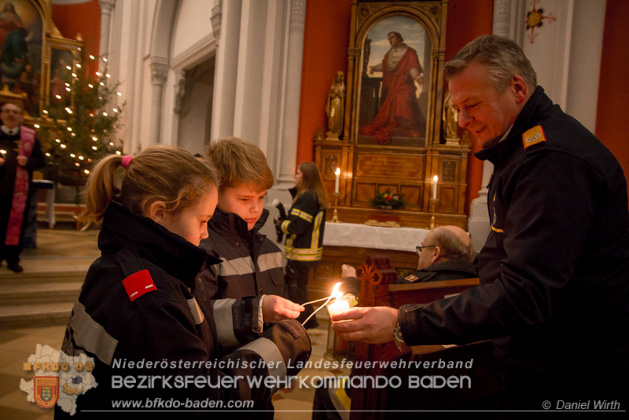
{"type": "Point", "coordinates": [338, 171]}
{"type": "Point", "coordinates": [336, 293]}
{"type": "Point", "coordinates": [435, 178]}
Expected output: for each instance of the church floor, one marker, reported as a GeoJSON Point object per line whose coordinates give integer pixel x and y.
{"type": "Point", "coordinates": [68, 251]}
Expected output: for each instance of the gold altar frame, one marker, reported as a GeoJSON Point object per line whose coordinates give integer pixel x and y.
{"type": "Point", "coordinates": [31, 87]}
{"type": "Point", "coordinates": [407, 164]}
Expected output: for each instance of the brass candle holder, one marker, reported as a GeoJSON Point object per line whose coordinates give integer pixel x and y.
{"type": "Point", "coordinates": [335, 216]}
{"type": "Point", "coordinates": [433, 209]}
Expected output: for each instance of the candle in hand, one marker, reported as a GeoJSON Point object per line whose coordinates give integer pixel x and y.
{"type": "Point", "coordinates": [434, 186]}
{"type": "Point", "coordinates": [338, 307]}
{"type": "Point", "coordinates": [337, 180]}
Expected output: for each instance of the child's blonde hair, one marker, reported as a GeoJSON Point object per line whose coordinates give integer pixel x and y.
{"type": "Point", "coordinates": [239, 162]}
{"type": "Point", "coordinates": [159, 173]}
{"type": "Point", "coordinates": [311, 181]}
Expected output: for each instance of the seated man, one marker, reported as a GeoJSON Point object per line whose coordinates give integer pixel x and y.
{"type": "Point", "coordinates": [446, 253]}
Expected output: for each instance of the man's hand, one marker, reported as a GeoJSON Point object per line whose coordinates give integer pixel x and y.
{"type": "Point", "coordinates": [276, 308]}
{"type": "Point", "coordinates": [21, 160]}
{"type": "Point", "coordinates": [347, 271]}
{"type": "Point", "coordinates": [370, 325]}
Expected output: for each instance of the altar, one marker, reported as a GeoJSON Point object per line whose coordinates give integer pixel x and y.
{"type": "Point", "coordinates": [350, 243]}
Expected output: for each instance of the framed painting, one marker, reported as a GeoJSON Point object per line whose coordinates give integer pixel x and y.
{"type": "Point", "coordinates": [398, 49]}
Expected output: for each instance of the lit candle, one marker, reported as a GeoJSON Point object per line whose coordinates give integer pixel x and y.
{"type": "Point", "coordinates": [338, 307]}
{"type": "Point", "coordinates": [434, 186]}
{"type": "Point", "coordinates": [337, 181]}
{"type": "Point", "coordinates": [4, 152]}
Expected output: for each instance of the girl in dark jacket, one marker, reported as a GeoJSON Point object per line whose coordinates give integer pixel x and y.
{"type": "Point", "coordinates": [304, 227]}
{"type": "Point", "coordinates": [137, 303]}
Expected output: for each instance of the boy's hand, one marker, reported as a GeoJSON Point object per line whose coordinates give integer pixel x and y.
{"type": "Point", "coordinates": [276, 308]}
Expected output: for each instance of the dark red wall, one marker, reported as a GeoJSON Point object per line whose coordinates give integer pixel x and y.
{"type": "Point", "coordinates": [82, 18]}
{"type": "Point", "coordinates": [612, 126]}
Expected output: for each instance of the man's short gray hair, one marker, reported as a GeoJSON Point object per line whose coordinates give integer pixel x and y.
{"type": "Point", "coordinates": [502, 56]}
{"type": "Point", "coordinates": [452, 248]}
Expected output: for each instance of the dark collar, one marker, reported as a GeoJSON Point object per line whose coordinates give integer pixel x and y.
{"type": "Point", "coordinates": [495, 150]}
{"type": "Point", "coordinates": [230, 222]}
{"type": "Point", "coordinates": [153, 242]}
{"type": "Point", "coordinates": [461, 266]}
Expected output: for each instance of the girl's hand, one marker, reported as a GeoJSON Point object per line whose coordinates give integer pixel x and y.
{"type": "Point", "coordinates": [276, 308]}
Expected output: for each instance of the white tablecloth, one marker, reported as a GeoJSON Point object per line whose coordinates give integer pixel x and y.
{"type": "Point", "coordinates": [363, 236]}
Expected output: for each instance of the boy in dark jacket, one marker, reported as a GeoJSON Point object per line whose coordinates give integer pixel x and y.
{"type": "Point", "coordinates": [246, 289]}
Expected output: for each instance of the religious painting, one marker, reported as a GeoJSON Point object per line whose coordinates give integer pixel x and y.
{"type": "Point", "coordinates": [394, 81]}
{"type": "Point", "coordinates": [21, 38]}
{"type": "Point", "coordinates": [61, 65]}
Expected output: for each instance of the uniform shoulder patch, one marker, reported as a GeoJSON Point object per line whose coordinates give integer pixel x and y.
{"type": "Point", "coordinates": [412, 278]}
{"type": "Point", "coordinates": [533, 136]}
{"type": "Point", "coordinates": [138, 284]}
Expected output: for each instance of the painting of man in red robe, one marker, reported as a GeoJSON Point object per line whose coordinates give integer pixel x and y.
{"type": "Point", "coordinates": [399, 114]}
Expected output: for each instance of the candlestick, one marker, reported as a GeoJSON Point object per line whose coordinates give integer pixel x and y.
{"type": "Point", "coordinates": [335, 294]}
{"type": "Point", "coordinates": [435, 179]}
{"type": "Point", "coordinates": [337, 181]}
{"type": "Point", "coordinates": [335, 216]}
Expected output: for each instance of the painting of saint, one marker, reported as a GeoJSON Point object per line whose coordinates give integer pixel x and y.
{"type": "Point", "coordinates": [393, 95]}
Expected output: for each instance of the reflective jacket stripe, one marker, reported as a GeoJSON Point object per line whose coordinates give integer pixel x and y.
{"type": "Point", "coordinates": [314, 253]}
{"type": "Point", "coordinates": [224, 321]}
{"type": "Point", "coordinates": [271, 356]}
{"type": "Point", "coordinates": [91, 336]}
{"type": "Point", "coordinates": [301, 214]}
{"type": "Point", "coordinates": [197, 313]}
{"type": "Point", "coordinates": [284, 226]}
{"type": "Point", "coordinates": [236, 266]}
{"type": "Point", "coordinates": [270, 261]}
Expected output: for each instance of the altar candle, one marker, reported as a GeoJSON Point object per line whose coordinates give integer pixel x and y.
{"type": "Point", "coordinates": [434, 186]}
{"type": "Point", "coordinates": [337, 181]}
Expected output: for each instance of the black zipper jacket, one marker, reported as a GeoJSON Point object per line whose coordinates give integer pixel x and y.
{"type": "Point", "coordinates": [554, 271]}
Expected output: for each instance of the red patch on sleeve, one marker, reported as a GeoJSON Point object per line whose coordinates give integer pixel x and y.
{"type": "Point", "coordinates": [139, 284]}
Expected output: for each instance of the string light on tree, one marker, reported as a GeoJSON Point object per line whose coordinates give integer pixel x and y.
{"type": "Point", "coordinates": [83, 119]}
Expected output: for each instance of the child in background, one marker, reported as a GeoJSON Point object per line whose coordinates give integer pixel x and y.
{"type": "Point", "coordinates": [246, 289]}
{"type": "Point", "coordinates": [137, 303]}
{"type": "Point", "coordinates": [304, 226]}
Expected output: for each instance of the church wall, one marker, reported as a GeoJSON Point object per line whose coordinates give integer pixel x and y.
{"type": "Point", "coordinates": [196, 14]}
{"type": "Point", "coordinates": [325, 51]}
{"type": "Point", "coordinates": [612, 125]}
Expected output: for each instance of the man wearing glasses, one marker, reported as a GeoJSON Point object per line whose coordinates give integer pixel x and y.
{"type": "Point", "coordinates": [446, 253]}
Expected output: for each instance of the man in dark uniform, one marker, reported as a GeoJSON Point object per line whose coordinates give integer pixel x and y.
{"type": "Point", "coordinates": [554, 272]}
{"type": "Point", "coordinates": [20, 155]}
{"type": "Point", "coordinates": [446, 253]}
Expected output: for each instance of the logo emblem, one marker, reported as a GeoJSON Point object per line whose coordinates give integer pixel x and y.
{"type": "Point", "coordinates": [533, 136]}
{"type": "Point", "coordinates": [46, 391]}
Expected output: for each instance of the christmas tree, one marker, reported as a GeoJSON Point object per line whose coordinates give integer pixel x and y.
{"type": "Point", "coordinates": [79, 125]}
